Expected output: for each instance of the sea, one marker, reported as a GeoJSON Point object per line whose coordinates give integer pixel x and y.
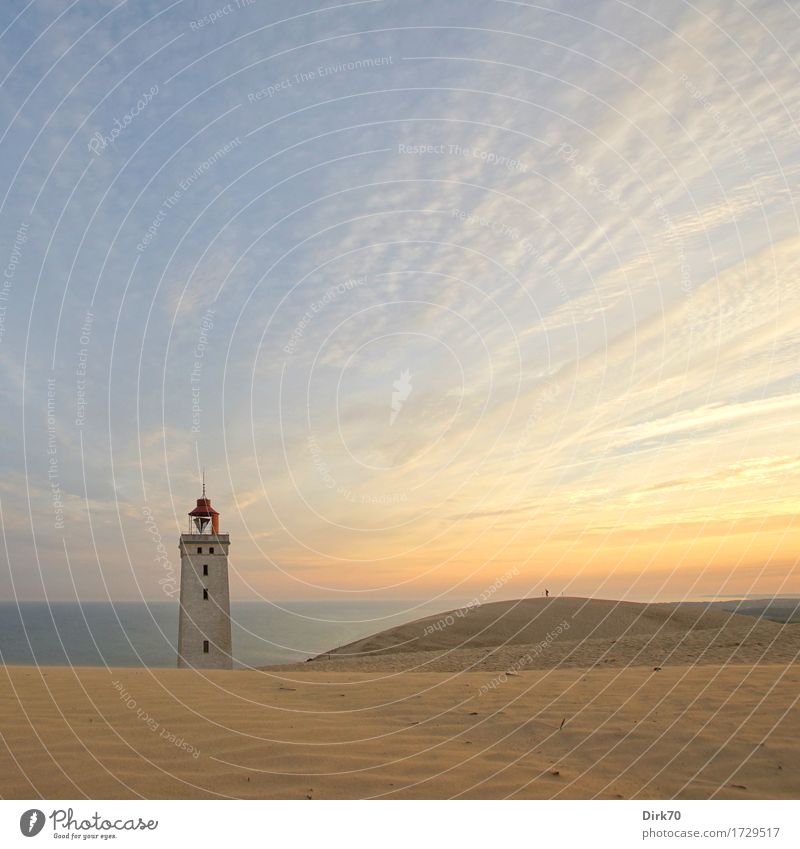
{"type": "Point", "coordinates": [146, 633]}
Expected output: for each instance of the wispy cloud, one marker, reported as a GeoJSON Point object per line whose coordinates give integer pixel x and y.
{"type": "Point", "coordinates": [575, 227]}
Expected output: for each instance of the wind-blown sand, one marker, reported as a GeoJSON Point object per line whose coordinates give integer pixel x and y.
{"type": "Point", "coordinates": [568, 632]}
{"type": "Point", "coordinates": [726, 726]}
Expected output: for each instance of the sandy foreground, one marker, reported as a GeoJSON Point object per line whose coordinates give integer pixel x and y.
{"type": "Point", "coordinates": [539, 698]}
{"type": "Point", "coordinates": [688, 732]}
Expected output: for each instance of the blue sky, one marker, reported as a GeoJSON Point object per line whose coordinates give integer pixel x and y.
{"type": "Point", "coordinates": [571, 225]}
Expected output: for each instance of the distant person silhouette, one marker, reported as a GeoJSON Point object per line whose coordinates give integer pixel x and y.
{"type": "Point", "coordinates": [546, 593]}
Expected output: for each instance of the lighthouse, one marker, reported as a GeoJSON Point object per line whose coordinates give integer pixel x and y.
{"type": "Point", "coordinates": [204, 626]}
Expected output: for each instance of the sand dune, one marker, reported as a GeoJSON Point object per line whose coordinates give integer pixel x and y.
{"type": "Point", "coordinates": [628, 701]}
{"type": "Point", "coordinates": [684, 732]}
{"type": "Point", "coordinates": [568, 632]}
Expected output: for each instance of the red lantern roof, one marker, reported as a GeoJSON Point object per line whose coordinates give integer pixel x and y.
{"type": "Point", "coordinates": [203, 513]}
{"type": "Point", "coordinates": [204, 508]}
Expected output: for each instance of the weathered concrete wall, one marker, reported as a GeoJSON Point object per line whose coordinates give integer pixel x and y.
{"type": "Point", "coordinates": [204, 619]}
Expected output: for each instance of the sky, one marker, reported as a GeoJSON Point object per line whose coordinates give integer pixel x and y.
{"type": "Point", "coordinates": [450, 300]}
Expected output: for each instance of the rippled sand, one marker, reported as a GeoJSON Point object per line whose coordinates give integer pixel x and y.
{"type": "Point", "coordinates": [681, 732]}
{"type": "Point", "coordinates": [630, 701]}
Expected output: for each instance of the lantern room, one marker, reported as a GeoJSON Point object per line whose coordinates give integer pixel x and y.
{"type": "Point", "coordinates": [204, 515]}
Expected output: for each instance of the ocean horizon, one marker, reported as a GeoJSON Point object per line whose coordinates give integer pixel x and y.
{"type": "Point", "coordinates": [146, 633]}
{"type": "Point", "coordinates": [96, 633]}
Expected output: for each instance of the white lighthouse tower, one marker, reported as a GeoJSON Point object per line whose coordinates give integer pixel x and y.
{"type": "Point", "coordinates": [204, 627]}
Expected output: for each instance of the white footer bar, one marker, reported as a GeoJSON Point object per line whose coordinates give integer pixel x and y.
{"type": "Point", "coordinates": [400, 824]}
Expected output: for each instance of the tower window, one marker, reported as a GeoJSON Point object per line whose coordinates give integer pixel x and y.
{"type": "Point", "coordinates": [205, 594]}
{"type": "Point", "coordinates": [199, 550]}
{"type": "Point", "coordinates": [205, 646]}
{"type": "Point", "coordinates": [205, 568]}
{"type": "Point", "coordinates": [211, 550]}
